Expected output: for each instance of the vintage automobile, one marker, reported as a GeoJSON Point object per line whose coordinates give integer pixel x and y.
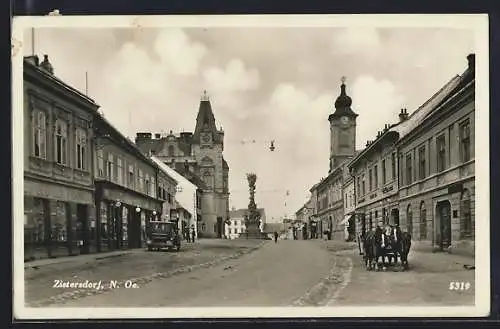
{"type": "Point", "coordinates": [163, 235]}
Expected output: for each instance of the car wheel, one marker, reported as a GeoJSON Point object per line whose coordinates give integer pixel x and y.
{"type": "Point", "coordinates": [150, 249]}
{"type": "Point", "coordinates": [178, 247]}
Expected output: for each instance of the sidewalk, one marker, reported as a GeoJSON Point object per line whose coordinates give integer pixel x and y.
{"type": "Point", "coordinates": [427, 282]}
{"type": "Point", "coordinates": [34, 264]}
{"type": "Point", "coordinates": [77, 259]}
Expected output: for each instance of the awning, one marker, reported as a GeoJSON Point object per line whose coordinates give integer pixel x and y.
{"type": "Point", "coordinates": [346, 219]}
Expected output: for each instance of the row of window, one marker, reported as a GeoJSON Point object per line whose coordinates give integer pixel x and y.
{"type": "Point", "coordinates": [373, 172]}
{"type": "Point", "coordinates": [135, 179]}
{"type": "Point", "coordinates": [235, 230]}
{"type": "Point", "coordinates": [61, 144]}
{"type": "Point", "coordinates": [422, 170]}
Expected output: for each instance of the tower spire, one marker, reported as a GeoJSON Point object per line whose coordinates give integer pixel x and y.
{"type": "Point", "coordinates": [204, 96]}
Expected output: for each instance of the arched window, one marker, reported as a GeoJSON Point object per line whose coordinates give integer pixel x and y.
{"type": "Point", "coordinates": [423, 221]}
{"type": "Point", "coordinates": [409, 219]}
{"type": "Point", "coordinates": [171, 151]}
{"type": "Point", "coordinates": [466, 229]}
{"type": "Point", "coordinates": [207, 178]}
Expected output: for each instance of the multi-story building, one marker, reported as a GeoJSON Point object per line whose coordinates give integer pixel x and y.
{"type": "Point", "coordinates": [58, 182]}
{"type": "Point", "coordinates": [349, 220]}
{"type": "Point", "coordinates": [186, 197]}
{"type": "Point", "coordinates": [419, 172]}
{"type": "Point", "coordinates": [126, 187]}
{"type": "Point", "coordinates": [375, 179]}
{"type": "Point", "coordinates": [330, 204]}
{"type": "Point", "coordinates": [236, 224]}
{"type": "Point", "coordinates": [198, 154]}
{"type": "Point", "coordinates": [314, 224]}
{"type": "Point", "coordinates": [437, 176]}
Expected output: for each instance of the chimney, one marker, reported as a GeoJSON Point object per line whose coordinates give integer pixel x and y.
{"type": "Point", "coordinates": [403, 115]}
{"type": "Point", "coordinates": [471, 59]}
{"type": "Point", "coordinates": [142, 137]}
{"type": "Point", "coordinates": [33, 59]}
{"type": "Point", "coordinates": [46, 65]}
{"type": "Point", "coordinates": [157, 136]}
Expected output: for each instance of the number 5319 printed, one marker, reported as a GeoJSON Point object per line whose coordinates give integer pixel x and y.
{"type": "Point", "coordinates": [460, 285]}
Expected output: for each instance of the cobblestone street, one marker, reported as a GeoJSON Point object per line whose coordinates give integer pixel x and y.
{"type": "Point", "coordinates": [122, 266]}
{"type": "Point", "coordinates": [290, 273]}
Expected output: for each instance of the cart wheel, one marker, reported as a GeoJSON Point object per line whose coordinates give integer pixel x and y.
{"type": "Point", "coordinates": [150, 249]}
{"type": "Point", "coordinates": [178, 247]}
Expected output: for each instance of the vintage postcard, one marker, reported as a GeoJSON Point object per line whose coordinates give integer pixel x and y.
{"type": "Point", "coordinates": [250, 166]}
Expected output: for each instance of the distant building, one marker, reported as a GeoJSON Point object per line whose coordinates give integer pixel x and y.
{"type": "Point", "coordinates": [329, 207]}
{"type": "Point", "coordinates": [236, 224]}
{"type": "Point", "coordinates": [198, 156]}
{"type": "Point", "coordinates": [187, 198]}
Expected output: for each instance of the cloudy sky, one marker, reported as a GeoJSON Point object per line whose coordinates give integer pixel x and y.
{"type": "Point", "coordinates": [264, 83]}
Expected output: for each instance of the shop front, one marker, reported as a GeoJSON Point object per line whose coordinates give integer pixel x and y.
{"type": "Point", "coordinates": [123, 216]}
{"type": "Point", "coordinates": [57, 219]}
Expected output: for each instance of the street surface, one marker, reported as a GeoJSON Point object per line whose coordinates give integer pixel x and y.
{"type": "Point", "coordinates": [290, 273]}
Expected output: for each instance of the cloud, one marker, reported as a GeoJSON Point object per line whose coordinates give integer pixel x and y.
{"type": "Point", "coordinates": [152, 81]}
{"type": "Point", "coordinates": [178, 52]}
{"type": "Point", "coordinates": [356, 39]}
{"type": "Point", "coordinates": [235, 77]}
{"type": "Point", "coordinates": [377, 102]}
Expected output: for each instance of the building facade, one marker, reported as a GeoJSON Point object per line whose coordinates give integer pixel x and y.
{"type": "Point", "coordinates": [419, 172]}
{"type": "Point", "coordinates": [58, 175]}
{"type": "Point", "coordinates": [375, 183]}
{"type": "Point", "coordinates": [348, 192]}
{"type": "Point", "coordinates": [437, 184]}
{"type": "Point", "coordinates": [200, 154]}
{"type": "Point", "coordinates": [126, 187]}
{"type": "Point", "coordinates": [187, 197]}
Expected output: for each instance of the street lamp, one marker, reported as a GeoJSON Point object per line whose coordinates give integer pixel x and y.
{"type": "Point", "coordinates": [137, 210]}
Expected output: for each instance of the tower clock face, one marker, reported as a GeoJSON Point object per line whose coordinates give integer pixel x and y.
{"type": "Point", "coordinates": [205, 138]}
{"type": "Point", "coordinates": [344, 120]}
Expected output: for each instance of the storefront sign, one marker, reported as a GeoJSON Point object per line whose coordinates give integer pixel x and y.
{"type": "Point", "coordinates": [57, 192]}
{"type": "Point", "coordinates": [130, 199]}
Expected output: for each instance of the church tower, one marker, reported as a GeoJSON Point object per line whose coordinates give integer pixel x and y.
{"type": "Point", "coordinates": [212, 168]}
{"type": "Point", "coordinates": [342, 129]}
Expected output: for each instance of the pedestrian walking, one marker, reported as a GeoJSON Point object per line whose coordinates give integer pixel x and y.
{"type": "Point", "coordinates": [193, 235]}
{"type": "Point", "coordinates": [275, 237]}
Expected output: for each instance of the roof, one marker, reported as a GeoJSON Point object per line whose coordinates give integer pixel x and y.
{"type": "Point", "coordinates": [97, 116]}
{"type": "Point", "coordinates": [206, 117]}
{"type": "Point", "coordinates": [419, 114]}
{"type": "Point", "coordinates": [414, 119]}
{"type": "Point", "coordinates": [29, 61]}
{"type": "Point", "coordinates": [126, 141]}
{"type": "Point", "coordinates": [342, 105]}
{"type": "Point", "coordinates": [224, 164]}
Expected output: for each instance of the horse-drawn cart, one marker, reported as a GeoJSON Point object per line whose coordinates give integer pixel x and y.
{"type": "Point", "coordinates": [387, 245]}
